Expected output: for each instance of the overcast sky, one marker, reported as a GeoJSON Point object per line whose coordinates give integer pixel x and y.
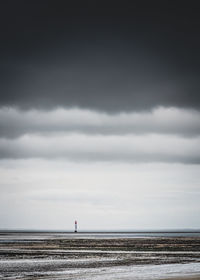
{"type": "Point", "coordinates": [99, 115]}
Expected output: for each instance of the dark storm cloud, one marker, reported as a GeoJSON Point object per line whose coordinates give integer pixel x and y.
{"type": "Point", "coordinates": [106, 57]}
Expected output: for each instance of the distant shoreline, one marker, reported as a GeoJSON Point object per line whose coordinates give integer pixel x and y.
{"type": "Point", "coordinates": [96, 232]}
{"type": "Point", "coordinates": [186, 277]}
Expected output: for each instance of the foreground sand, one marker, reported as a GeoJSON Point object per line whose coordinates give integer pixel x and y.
{"type": "Point", "coordinates": [184, 278]}
{"type": "Point", "coordinates": [62, 256]}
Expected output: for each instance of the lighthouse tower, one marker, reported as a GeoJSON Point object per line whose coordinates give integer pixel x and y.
{"type": "Point", "coordinates": [75, 226]}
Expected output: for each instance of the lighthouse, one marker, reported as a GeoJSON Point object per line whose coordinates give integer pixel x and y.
{"type": "Point", "coordinates": [75, 226]}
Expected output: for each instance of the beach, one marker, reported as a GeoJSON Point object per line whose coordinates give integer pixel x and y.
{"type": "Point", "coordinates": [60, 255]}
{"type": "Point", "coordinates": [184, 278]}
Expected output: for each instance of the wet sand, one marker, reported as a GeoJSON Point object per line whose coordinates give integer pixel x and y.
{"type": "Point", "coordinates": [184, 278]}
{"type": "Point", "coordinates": [101, 256]}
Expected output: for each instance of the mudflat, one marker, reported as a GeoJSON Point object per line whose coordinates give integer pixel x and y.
{"type": "Point", "coordinates": [184, 278]}
{"type": "Point", "coordinates": [88, 256]}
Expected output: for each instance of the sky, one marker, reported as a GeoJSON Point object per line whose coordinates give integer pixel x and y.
{"type": "Point", "coordinates": [99, 115]}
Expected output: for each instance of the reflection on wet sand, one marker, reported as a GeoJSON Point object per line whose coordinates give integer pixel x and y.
{"type": "Point", "coordinates": [98, 256]}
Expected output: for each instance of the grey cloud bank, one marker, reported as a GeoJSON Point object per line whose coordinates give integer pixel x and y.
{"type": "Point", "coordinates": [160, 135]}
{"type": "Point", "coordinates": [104, 148]}
{"type": "Point", "coordinates": [161, 120]}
